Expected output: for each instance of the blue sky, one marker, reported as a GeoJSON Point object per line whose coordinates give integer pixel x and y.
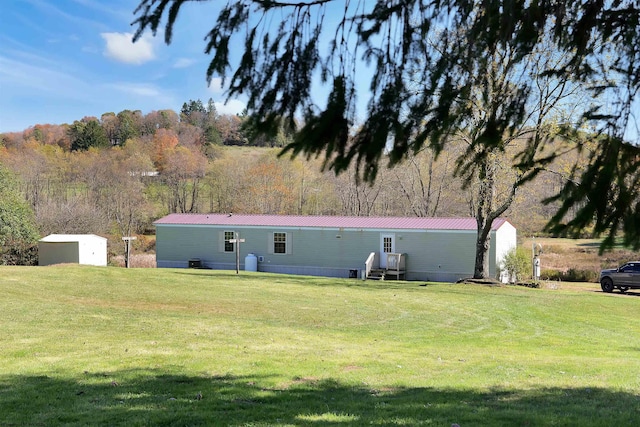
{"type": "Point", "coordinates": [65, 59]}
{"type": "Point", "coordinates": [61, 60]}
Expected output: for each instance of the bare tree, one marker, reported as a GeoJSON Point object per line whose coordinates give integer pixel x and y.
{"type": "Point", "coordinates": [356, 197]}
{"type": "Point", "coordinates": [502, 156]}
{"type": "Point", "coordinates": [183, 171]}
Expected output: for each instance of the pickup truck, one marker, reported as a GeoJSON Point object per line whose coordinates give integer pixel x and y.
{"type": "Point", "coordinates": [623, 278]}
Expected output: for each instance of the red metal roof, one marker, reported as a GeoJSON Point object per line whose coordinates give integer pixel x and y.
{"type": "Point", "coordinates": [399, 223]}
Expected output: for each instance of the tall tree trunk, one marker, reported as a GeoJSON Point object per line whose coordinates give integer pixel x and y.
{"type": "Point", "coordinates": [483, 243]}
{"type": "Point", "coordinates": [485, 212]}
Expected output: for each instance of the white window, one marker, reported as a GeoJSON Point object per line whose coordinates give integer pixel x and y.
{"type": "Point", "coordinates": [279, 243]}
{"type": "Point", "coordinates": [224, 241]}
{"type": "Point", "coordinates": [387, 244]}
{"type": "Point", "coordinates": [228, 245]}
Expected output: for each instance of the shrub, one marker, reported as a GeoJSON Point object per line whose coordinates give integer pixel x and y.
{"type": "Point", "coordinates": [136, 261]}
{"type": "Point", "coordinates": [571, 275]}
{"type": "Point", "coordinates": [576, 275]}
{"type": "Point", "coordinates": [549, 274]}
{"type": "Point", "coordinates": [19, 254]}
{"type": "Point", "coordinates": [516, 264]}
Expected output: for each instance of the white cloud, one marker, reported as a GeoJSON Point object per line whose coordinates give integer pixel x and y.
{"type": "Point", "coordinates": [119, 46]}
{"type": "Point", "coordinates": [142, 96]}
{"type": "Point", "coordinates": [183, 63]}
{"type": "Point", "coordinates": [137, 89]}
{"type": "Point", "coordinates": [215, 86]}
{"type": "Point", "coordinates": [233, 106]}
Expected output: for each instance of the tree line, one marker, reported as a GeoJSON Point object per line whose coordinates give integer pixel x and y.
{"type": "Point", "coordinates": [196, 124]}
{"type": "Point", "coordinates": [166, 164]}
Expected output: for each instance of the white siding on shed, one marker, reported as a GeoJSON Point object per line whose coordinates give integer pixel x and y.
{"type": "Point", "coordinates": [505, 241]}
{"type": "Point", "coordinates": [86, 249]}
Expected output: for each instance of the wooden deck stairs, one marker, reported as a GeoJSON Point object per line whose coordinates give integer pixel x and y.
{"type": "Point", "coordinates": [395, 267]}
{"type": "Point", "coordinates": [376, 274]}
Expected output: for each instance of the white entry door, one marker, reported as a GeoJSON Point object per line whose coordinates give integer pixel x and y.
{"type": "Point", "coordinates": [387, 246]}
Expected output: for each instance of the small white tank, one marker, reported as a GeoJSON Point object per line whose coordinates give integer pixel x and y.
{"type": "Point", "coordinates": [251, 263]}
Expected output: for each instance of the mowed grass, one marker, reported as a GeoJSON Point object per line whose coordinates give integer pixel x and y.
{"type": "Point", "coordinates": [112, 346]}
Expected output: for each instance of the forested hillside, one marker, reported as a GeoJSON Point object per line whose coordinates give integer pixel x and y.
{"type": "Point", "coordinates": [115, 175]}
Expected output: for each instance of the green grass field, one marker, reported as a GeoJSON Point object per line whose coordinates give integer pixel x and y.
{"type": "Point", "coordinates": [113, 346]}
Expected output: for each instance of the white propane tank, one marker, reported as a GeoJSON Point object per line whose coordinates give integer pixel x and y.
{"type": "Point", "coordinates": [251, 263]}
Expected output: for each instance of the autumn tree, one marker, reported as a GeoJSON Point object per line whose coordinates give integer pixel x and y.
{"type": "Point", "coordinates": [127, 206]}
{"type": "Point", "coordinates": [31, 165]}
{"type": "Point", "coordinates": [223, 184]}
{"type": "Point", "coordinates": [164, 141]}
{"type": "Point", "coordinates": [45, 180]}
{"type": "Point", "coordinates": [190, 136]}
{"type": "Point", "coordinates": [12, 139]}
{"type": "Point", "coordinates": [162, 119]}
{"type": "Point", "coordinates": [95, 191]}
{"type": "Point", "coordinates": [168, 119]}
{"type": "Point", "coordinates": [47, 134]}
{"type": "Point", "coordinates": [271, 187]}
{"type": "Point", "coordinates": [231, 132]}
{"type": "Point", "coordinates": [183, 172]}
{"type": "Point", "coordinates": [113, 180]}
{"type": "Point", "coordinates": [250, 128]}
{"type": "Point", "coordinates": [129, 125]}
{"type": "Point", "coordinates": [204, 118]}
{"type": "Point", "coordinates": [110, 124]}
{"type": "Point", "coordinates": [194, 113]}
{"type": "Point", "coordinates": [71, 215]}
{"type": "Point", "coordinates": [316, 194]}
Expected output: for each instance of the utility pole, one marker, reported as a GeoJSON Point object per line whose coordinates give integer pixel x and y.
{"type": "Point", "coordinates": [237, 242]}
{"type": "Point", "coordinates": [536, 250]}
{"type": "Point", "coordinates": [127, 249]}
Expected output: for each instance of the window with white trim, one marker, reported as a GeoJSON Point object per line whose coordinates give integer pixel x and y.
{"type": "Point", "coordinates": [229, 246]}
{"type": "Point", "coordinates": [279, 243]}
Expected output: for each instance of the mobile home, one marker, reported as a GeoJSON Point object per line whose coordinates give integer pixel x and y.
{"type": "Point", "coordinates": [435, 249]}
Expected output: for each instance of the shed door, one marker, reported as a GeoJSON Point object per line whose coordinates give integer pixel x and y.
{"type": "Point", "coordinates": [387, 246]}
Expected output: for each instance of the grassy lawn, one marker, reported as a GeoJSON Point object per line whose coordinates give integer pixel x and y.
{"type": "Point", "coordinates": [113, 346]}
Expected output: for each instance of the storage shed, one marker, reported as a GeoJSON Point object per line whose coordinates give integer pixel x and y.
{"type": "Point", "coordinates": [72, 248]}
{"type": "Point", "coordinates": [435, 249]}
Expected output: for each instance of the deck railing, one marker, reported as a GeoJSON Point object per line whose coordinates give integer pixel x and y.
{"type": "Point", "coordinates": [396, 264]}
{"type": "Point", "coordinates": [371, 263]}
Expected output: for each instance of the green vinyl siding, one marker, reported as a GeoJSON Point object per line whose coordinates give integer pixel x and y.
{"type": "Point", "coordinates": [181, 243]}
{"type": "Point", "coordinates": [313, 247]}
{"type": "Point", "coordinates": [433, 252]}
{"type": "Point", "coordinates": [443, 252]}
{"type": "Point", "coordinates": [322, 247]}
{"type": "Point", "coordinates": [442, 255]}
{"type": "Point", "coordinates": [305, 247]}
